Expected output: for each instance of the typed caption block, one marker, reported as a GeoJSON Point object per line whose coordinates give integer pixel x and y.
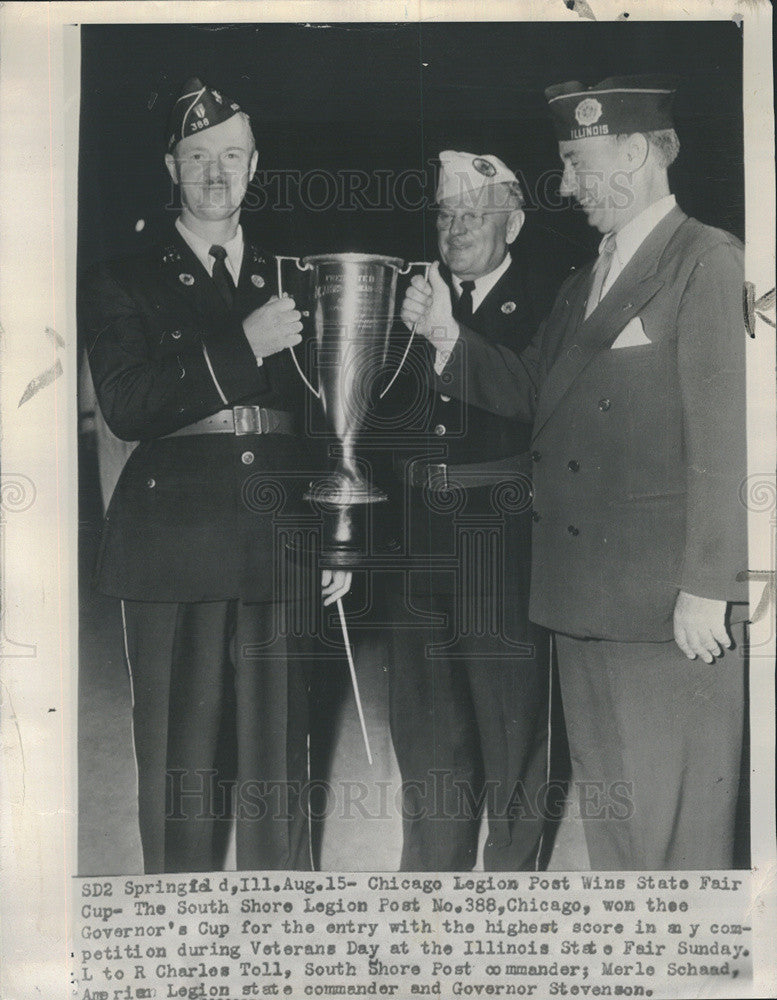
{"type": "Point", "coordinates": [239, 935]}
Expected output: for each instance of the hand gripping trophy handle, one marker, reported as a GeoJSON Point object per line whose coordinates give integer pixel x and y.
{"type": "Point", "coordinates": [302, 267]}
{"type": "Point", "coordinates": [425, 264]}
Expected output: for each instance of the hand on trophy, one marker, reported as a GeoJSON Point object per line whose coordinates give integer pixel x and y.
{"type": "Point", "coordinates": [427, 307]}
{"type": "Point", "coordinates": [273, 327]}
{"type": "Point", "coordinates": [335, 583]}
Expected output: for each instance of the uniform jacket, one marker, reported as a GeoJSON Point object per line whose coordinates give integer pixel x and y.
{"type": "Point", "coordinates": [191, 518]}
{"type": "Point", "coordinates": [638, 452]}
{"type": "Point", "coordinates": [441, 427]}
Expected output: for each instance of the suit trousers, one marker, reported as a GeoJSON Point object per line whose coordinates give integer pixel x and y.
{"type": "Point", "coordinates": [220, 728]}
{"type": "Point", "coordinates": [469, 723]}
{"type": "Point", "coordinates": [656, 743]}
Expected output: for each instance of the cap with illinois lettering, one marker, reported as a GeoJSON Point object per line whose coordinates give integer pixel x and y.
{"type": "Point", "coordinates": [619, 104]}
{"type": "Point", "coordinates": [199, 107]}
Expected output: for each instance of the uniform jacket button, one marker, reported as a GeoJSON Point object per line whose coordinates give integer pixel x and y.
{"type": "Point", "coordinates": [444, 398]}
{"type": "Point", "coordinates": [535, 456]}
{"type": "Point", "coordinates": [604, 405]}
{"type": "Point", "coordinates": [535, 515]}
{"type": "Point", "coordinates": [573, 465]}
{"type": "Point", "coordinates": [151, 483]}
{"type": "Point", "coordinates": [573, 530]}
{"type": "Point", "coordinates": [247, 457]}
{"type": "Point", "coordinates": [176, 334]}
{"type": "Point", "coordinates": [439, 430]}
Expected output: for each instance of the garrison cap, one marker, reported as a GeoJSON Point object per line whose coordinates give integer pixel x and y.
{"type": "Point", "coordinates": [199, 107]}
{"type": "Point", "coordinates": [467, 173]}
{"type": "Point", "coordinates": [619, 104]}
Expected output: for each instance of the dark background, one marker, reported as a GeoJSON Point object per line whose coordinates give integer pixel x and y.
{"type": "Point", "coordinates": [390, 97]}
{"type": "Point", "coordinates": [371, 98]}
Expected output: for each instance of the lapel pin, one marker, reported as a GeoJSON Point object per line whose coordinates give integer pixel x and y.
{"type": "Point", "coordinates": [186, 279]}
{"type": "Point", "coordinates": [508, 307]}
{"type": "Point", "coordinates": [257, 280]}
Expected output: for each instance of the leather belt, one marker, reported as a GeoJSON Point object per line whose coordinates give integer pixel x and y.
{"type": "Point", "coordinates": [441, 477]}
{"type": "Point", "coordinates": [241, 420]}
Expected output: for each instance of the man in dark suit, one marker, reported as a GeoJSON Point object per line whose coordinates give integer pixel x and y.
{"type": "Point", "coordinates": [187, 350]}
{"type": "Point", "coordinates": [636, 387]}
{"type": "Point", "coordinates": [469, 679]}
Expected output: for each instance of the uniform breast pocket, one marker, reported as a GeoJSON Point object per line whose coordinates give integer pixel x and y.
{"type": "Point", "coordinates": [651, 362]}
{"type": "Point", "coordinates": [632, 335]}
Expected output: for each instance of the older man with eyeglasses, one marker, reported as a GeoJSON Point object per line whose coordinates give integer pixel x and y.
{"type": "Point", "coordinates": [468, 672]}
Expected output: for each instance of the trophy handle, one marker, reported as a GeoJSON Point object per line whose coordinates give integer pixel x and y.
{"type": "Point", "coordinates": [300, 267]}
{"type": "Point", "coordinates": [425, 264]}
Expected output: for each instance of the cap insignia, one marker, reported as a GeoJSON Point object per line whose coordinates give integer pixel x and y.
{"type": "Point", "coordinates": [483, 166]}
{"type": "Point", "coordinates": [588, 111]}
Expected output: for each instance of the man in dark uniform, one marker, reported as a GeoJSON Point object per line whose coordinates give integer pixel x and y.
{"type": "Point", "coordinates": [469, 682]}
{"type": "Point", "coordinates": [186, 347]}
{"type": "Point", "coordinates": [636, 386]}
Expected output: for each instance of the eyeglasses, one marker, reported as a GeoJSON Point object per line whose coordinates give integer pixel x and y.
{"type": "Point", "coordinates": [472, 221]}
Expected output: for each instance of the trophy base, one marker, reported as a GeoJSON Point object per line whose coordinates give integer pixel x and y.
{"type": "Point", "coordinates": [346, 540]}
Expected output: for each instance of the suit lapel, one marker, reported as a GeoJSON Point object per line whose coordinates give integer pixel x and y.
{"type": "Point", "coordinates": [584, 339]}
{"type": "Point", "coordinates": [187, 280]}
{"type": "Point", "coordinates": [496, 313]}
{"type": "Point", "coordinates": [256, 280]}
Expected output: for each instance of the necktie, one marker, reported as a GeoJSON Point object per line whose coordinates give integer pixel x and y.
{"type": "Point", "coordinates": [600, 272]}
{"type": "Point", "coordinates": [221, 276]}
{"type": "Point", "coordinates": [464, 305]}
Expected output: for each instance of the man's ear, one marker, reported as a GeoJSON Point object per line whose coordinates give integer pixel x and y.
{"type": "Point", "coordinates": [636, 151]}
{"type": "Point", "coordinates": [515, 221]}
{"type": "Point", "coordinates": [252, 165]}
{"type": "Point", "coordinates": [172, 167]}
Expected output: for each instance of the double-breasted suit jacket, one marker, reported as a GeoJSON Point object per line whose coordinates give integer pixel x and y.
{"type": "Point", "coordinates": [639, 452]}
{"type": "Point", "coordinates": [191, 518]}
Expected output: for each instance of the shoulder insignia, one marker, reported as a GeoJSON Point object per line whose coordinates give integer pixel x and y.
{"type": "Point", "coordinates": [170, 255]}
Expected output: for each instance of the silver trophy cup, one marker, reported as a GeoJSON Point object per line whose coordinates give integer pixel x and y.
{"type": "Point", "coordinates": [353, 310]}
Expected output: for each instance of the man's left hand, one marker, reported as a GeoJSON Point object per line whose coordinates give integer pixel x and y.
{"type": "Point", "coordinates": [700, 626]}
{"type": "Point", "coordinates": [335, 583]}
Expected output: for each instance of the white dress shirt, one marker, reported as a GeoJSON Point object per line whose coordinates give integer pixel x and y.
{"type": "Point", "coordinates": [201, 250]}
{"type": "Point", "coordinates": [629, 239]}
{"type": "Point", "coordinates": [484, 283]}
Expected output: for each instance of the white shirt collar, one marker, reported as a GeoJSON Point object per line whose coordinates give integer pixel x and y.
{"type": "Point", "coordinates": [629, 239]}
{"type": "Point", "coordinates": [484, 283]}
{"type": "Point", "coordinates": [201, 249]}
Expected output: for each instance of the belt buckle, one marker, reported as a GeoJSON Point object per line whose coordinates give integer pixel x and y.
{"type": "Point", "coordinates": [247, 420]}
{"type": "Point", "coordinates": [437, 477]}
